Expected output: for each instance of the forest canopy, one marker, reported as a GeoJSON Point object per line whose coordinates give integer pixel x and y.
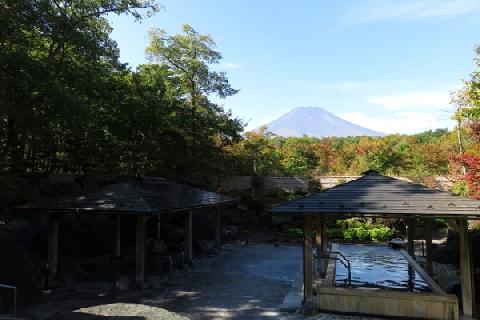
{"type": "Point", "coordinates": [69, 105]}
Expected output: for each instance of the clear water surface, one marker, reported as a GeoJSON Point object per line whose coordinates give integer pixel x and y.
{"type": "Point", "coordinates": [378, 266]}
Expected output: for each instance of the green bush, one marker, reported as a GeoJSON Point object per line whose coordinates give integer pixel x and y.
{"type": "Point", "coordinates": [361, 233]}
{"type": "Point", "coordinates": [381, 233]}
{"type": "Point", "coordinates": [361, 230]}
{"type": "Point", "coordinates": [348, 234]}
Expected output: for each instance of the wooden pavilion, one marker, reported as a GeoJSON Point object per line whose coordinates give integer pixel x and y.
{"type": "Point", "coordinates": [375, 195]}
{"type": "Point", "coordinates": [145, 198]}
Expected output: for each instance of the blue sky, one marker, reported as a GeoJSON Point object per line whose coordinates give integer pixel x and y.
{"type": "Point", "coordinates": [389, 65]}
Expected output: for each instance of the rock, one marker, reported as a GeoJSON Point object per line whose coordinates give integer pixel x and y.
{"type": "Point", "coordinates": [97, 264]}
{"type": "Point", "coordinates": [124, 283]}
{"type": "Point", "coordinates": [97, 234]}
{"type": "Point", "coordinates": [70, 236]}
{"type": "Point", "coordinates": [309, 308]}
{"type": "Point", "coordinates": [452, 234]}
{"type": "Point", "coordinates": [157, 282]}
{"type": "Point", "coordinates": [33, 235]}
{"type": "Point", "coordinates": [178, 260]}
{"type": "Point", "coordinates": [230, 232]}
{"type": "Point", "coordinates": [447, 275]}
{"type": "Point", "coordinates": [201, 246]}
{"type": "Point", "coordinates": [447, 253]}
{"type": "Point", "coordinates": [204, 224]}
{"type": "Point", "coordinates": [171, 233]}
{"type": "Point", "coordinates": [158, 246]}
{"type": "Point", "coordinates": [17, 270]}
{"type": "Point", "coordinates": [160, 264]}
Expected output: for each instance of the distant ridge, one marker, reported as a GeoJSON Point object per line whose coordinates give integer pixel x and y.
{"type": "Point", "coordinates": [316, 122]}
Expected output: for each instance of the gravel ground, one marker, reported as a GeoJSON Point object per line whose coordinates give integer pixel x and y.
{"type": "Point", "coordinates": [119, 311]}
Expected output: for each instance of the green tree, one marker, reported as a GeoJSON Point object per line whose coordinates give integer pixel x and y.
{"type": "Point", "coordinates": [189, 56]}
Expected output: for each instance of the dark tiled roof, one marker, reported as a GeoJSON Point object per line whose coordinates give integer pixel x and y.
{"type": "Point", "coordinates": [378, 195]}
{"type": "Point", "coordinates": [144, 195]}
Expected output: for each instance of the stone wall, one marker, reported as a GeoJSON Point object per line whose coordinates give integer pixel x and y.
{"type": "Point", "coordinates": [241, 183]}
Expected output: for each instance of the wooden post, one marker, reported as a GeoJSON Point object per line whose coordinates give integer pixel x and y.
{"type": "Point", "coordinates": [466, 274]}
{"type": "Point", "coordinates": [307, 261]}
{"type": "Point", "coordinates": [410, 243]}
{"type": "Point", "coordinates": [428, 240]}
{"type": "Point", "coordinates": [324, 235]}
{"type": "Point", "coordinates": [319, 245]}
{"type": "Point", "coordinates": [159, 230]}
{"type": "Point", "coordinates": [218, 228]}
{"type": "Point", "coordinates": [140, 250]}
{"type": "Point", "coordinates": [188, 236]}
{"type": "Point", "coordinates": [117, 235]}
{"type": "Point", "coordinates": [53, 230]}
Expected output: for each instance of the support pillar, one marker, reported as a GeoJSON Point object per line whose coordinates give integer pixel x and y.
{"type": "Point", "coordinates": [140, 249]}
{"type": "Point", "coordinates": [159, 231]}
{"type": "Point", "coordinates": [428, 246]}
{"type": "Point", "coordinates": [466, 274]}
{"type": "Point", "coordinates": [53, 230]}
{"type": "Point", "coordinates": [307, 261]}
{"type": "Point", "coordinates": [218, 228]}
{"type": "Point", "coordinates": [188, 237]}
{"type": "Point", "coordinates": [319, 244]}
{"type": "Point", "coordinates": [410, 243]}
{"type": "Point", "coordinates": [117, 235]}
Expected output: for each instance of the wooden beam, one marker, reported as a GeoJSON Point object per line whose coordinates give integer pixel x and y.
{"type": "Point", "coordinates": [429, 247]}
{"type": "Point", "coordinates": [429, 280]}
{"type": "Point", "coordinates": [307, 260]}
{"type": "Point", "coordinates": [466, 274]}
{"type": "Point", "coordinates": [188, 237]}
{"type": "Point", "coordinates": [53, 230]}
{"type": "Point", "coordinates": [117, 235]}
{"type": "Point", "coordinates": [410, 235]}
{"type": "Point", "coordinates": [140, 250]}
{"type": "Point", "coordinates": [218, 228]}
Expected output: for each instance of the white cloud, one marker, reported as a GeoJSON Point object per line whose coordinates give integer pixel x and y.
{"type": "Point", "coordinates": [413, 99]}
{"type": "Point", "coordinates": [231, 65]}
{"type": "Point", "coordinates": [380, 10]}
{"type": "Point", "coordinates": [399, 122]}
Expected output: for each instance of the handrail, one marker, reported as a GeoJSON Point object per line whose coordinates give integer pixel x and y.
{"type": "Point", "coordinates": [345, 263]}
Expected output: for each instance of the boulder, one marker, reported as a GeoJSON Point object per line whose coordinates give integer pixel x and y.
{"type": "Point", "coordinates": [171, 233]}
{"type": "Point", "coordinates": [230, 232]}
{"type": "Point", "coordinates": [158, 246]}
{"type": "Point", "coordinates": [160, 264]}
{"type": "Point", "coordinates": [17, 270]}
{"type": "Point", "coordinates": [124, 283]}
{"type": "Point", "coordinates": [201, 246]}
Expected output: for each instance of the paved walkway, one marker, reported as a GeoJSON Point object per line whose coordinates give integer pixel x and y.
{"type": "Point", "coordinates": [242, 282]}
